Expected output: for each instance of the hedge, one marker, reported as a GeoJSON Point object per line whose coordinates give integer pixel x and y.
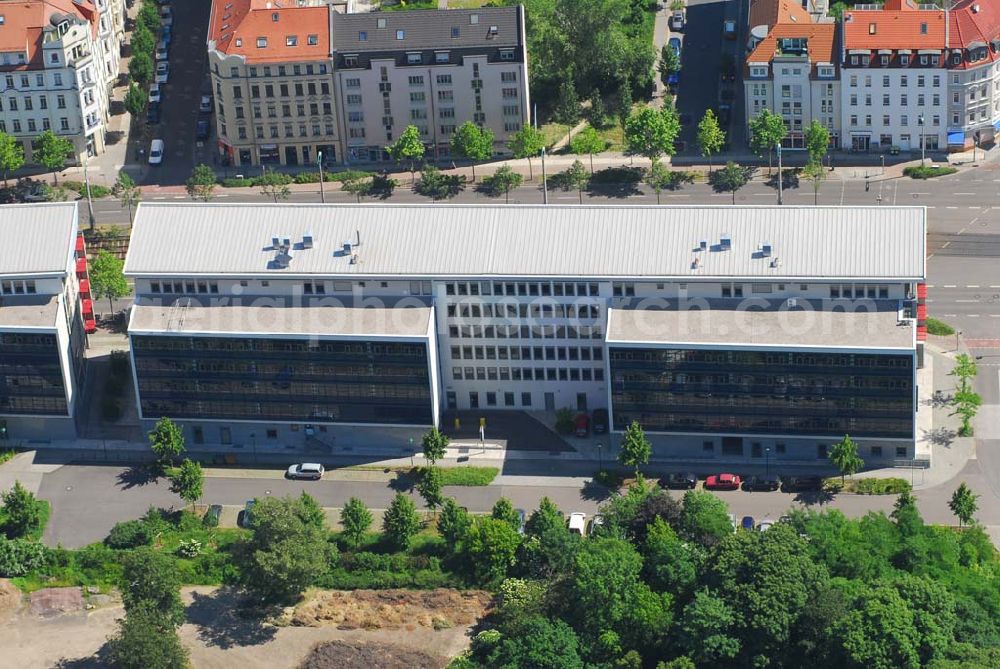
{"type": "Point", "coordinates": [936, 327]}
{"type": "Point", "coordinates": [918, 172]}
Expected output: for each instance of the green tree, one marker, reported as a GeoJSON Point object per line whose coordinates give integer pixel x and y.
{"type": "Point", "coordinates": [355, 518]}
{"type": "Point", "coordinates": [359, 185]}
{"type": "Point", "coordinates": [107, 278]}
{"type": "Point", "coordinates": [127, 192]}
{"type": "Point", "coordinates": [22, 513]}
{"type": "Point", "coordinates": [567, 106]}
{"type": "Point", "coordinates": [274, 185]}
{"type": "Point", "coordinates": [408, 146]}
{"type": "Point", "coordinates": [400, 522]}
{"type": "Point", "coordinates": [140, 69]}
{"type": "Point", "coordinates": [311, 512]}
{"type": "Point", "coordinates": [817, 141]}
{"type": "Point", "coordinates": [963, 504]}
{"type": "Point", "coordinates": [965, 370]}
{"type": "Point", "coordinates": [472, 142]}
{"type": "Point", "coordinates": [202, 182]}
{"type": "Point", "coordinates": [879, 633]}
{"type": "Point", "coordinates": [588, 142]}
{"type": "Point", "coordinates": [437, 185]}
{"type": "Point", "coordinates": [623, 103]}
{"type": "Point", "coordinates": [285, 553]}
{"type": "Point", "coordinates": [670, 564]}
{"type": "Point", "coordinates": [635, 449]}
{"type": "Point", "coordinates": [706, 630]}
{"type": "Point", "coordinates": [730, 178]}
{"type": "Point", "coordinates": [537, 643]}
{"type": "Point", "coordinates": [767, 129]}
{"type": "Point", "coordinates": [453, 522]}
{"type": "Point", "coordinates": [188, 481]}
{"type": "Point", "coordinates": [651, 132]}
{"type": "Point", "coordinates": [490, 546]}
{"type": "Point", "coordinates": [166, 441]}
{"type": "Point", "coordinates": [576, 177]}
{"type": "Point", "coordinates": [149, 16]}
{"type": "Point", "coordinates": [135, 99]}
{"type": "Point", "coordinates": [51, 151]}
{"type": "Point", "coordinates": [704, 518]}
{"type": "Point", "coordinates": [711, 137]}
{"type": "Point", "coordinates": [430, 485]}
{"type": "Point", "coordinates": [669, 63]}
{"type": "Point", "coordinates": [142, 39]}
{"type": "Point", "coordinates": [844, 456]}
{"type": "Point", "coordinates": [11, 155]}
{"type": "Point", "coordinates": [150, 577]}
{"type": "Point", "coordinates": [527, 143]}
{"type": "Point", "coordinates": [547, 517]}
{"type": "Point", "coordinates": [502, 181]}
{"type": "Point", "coordinates": [966, 405]}
{"type": "Point", "coordinates": [815, 173]}
{"type": "Point", "coordinates": [505, 511]}
{"type": "Point", "coordinates": [146, 639]}
{"type": "Point", "coordinates": [658, 177]}
{"type": "Point", "coordinates": [435, 444]}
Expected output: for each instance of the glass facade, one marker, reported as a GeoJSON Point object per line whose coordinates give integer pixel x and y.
{"type": "Point", "coordinates": [31, 380]}
{"type": "Point", "coordinates": [283, 380]}
{"type": "Point", "coordinates": [757, 392]}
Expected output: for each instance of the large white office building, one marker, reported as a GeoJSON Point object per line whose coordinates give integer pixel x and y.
{"type": "Point", "coordinates": [722, 330]}
{"type": "Point", "coordinates": [45, 309]}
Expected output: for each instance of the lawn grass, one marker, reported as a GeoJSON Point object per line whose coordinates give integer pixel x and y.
{"type": "Point", "coordinates": [468, 476]}
{"type": "Point", "coordinates": [553, 132]}
{"type": "Point", "coordinates": [466, 4]}
{"type": "Point", "coordinates": [867, 486]}
{"type": "Point", "coordinates": [940, 328]}
{"type": "Point", "coordinates": [406, 5]}
{"type": "Point", "coordinates": [928, 172]}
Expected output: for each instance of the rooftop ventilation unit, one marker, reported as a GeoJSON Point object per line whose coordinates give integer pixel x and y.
{"type": "Point", "coordinates": [307, 240]}
{"type": "Point", "coordinates": [276, 243]}
{"type": "Point", "coordinates": [348, 247]}
{"type": "Point", "coordinates": [775, 262]}
{"type": "Point", "coordinates": [725, 241]}
{"type": "Point", "coordinates": [703, 245]}
{"type": "Point", "coordinates": [765, 250]}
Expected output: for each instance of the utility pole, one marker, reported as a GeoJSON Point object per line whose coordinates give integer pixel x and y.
{"type": "Point", "coordinates": [90, 200]}
{"type": "Point", "coordinates": [319, 163]}
{"type": "Point", "coordinates": [920, 122]}
{"type": "Point", "coordinates": [545, 188]}
{"type": "Point", "coordinates": [781, 177]}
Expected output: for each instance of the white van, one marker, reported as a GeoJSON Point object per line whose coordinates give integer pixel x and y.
{"type": "Point", "coordinates": [156, 152]}
{"type": "Point", "coordinates": [577, 522]}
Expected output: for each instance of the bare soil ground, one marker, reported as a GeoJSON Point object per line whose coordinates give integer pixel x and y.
{"type": "Point", "coordinates": [416, 632]}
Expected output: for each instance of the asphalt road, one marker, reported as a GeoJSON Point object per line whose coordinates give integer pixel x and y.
{"type": "Point", "coordinates": [88, 500]}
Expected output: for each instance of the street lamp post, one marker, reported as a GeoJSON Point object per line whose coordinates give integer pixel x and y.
{"type": "Point", "coordinates": [253, 445]}
{"type": "Point", "coordinates": [920, 122]}
{"type": "Point", "coordinates": [780, 175]}
{"type": "Point", "coordinates": [600, 458]}
{"type": "Point", "coordinates": [767, 461]}
{"type": "Point", "coordinates": [545, 186]}
{"type": "Point", "coordinates": [411, 451]}
{"type": "Point", "coordinates": [319, 164]}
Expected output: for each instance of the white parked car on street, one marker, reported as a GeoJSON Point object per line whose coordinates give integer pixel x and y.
{"type": "Point", "coordinates": [310, 471]}
{"type": "Point", "coordinates": [156, 152]}
{"type": "Point", "coordinates": [154, 93]}
{"type": "Point", "coordinates": [577, 522]}
{"type": "Point", "coordinates": [162, 72]}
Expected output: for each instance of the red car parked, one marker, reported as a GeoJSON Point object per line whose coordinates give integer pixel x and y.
{"type": "Point", "coordinates": [723, 482]}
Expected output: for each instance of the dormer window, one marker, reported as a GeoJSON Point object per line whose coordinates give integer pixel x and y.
{"type": "Point", "coordinates": [904, 59]}
{"type": "Point", "coordinates": [956, 59]}
{"type": "Point", "coordinates": [456, 32]}
{"type": "Point", "coordinates": [884, 60]}
{"type": "Point", "coordinates": [313, 40]}
{"type": "Point", "coordinates": [923, 60]}
{"type": "Point", "coordinates": [473, 19]}
{"type": "Point", "coordinates": [261, 42]}
{"type": "Point", "coordinates": [239, 41]}
{"type": "Point", "coordinates": [871, 28]}
{"type": "Point", "coordinates": [400, 34]}
{"type": "Point", "coordinates": [855, 60]}
{"type": "Point", "coordinates": [923, 28]}
{"type": "Point", "coordinates": [362, 36]}
{"type": "Point", "coordinates": [413, 58]}
{"type": "Point", "coordinates": [292, 40]}
{"type": "Point", "coordinates": [274, 16]}
{"type": "Point", "coordinates": [935, 60]}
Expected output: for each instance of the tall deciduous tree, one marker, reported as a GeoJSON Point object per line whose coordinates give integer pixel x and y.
{"type": "Point", "coordinates": [21, 511]}
{"type": "Point", "coordinates": [400, 522]}
{"type": "Point", "coordinates": [964, 504]}
{"type": "Point", "coordinates": [135, 99]}
{"type": "Point", "coordinates": [275, 185]}
{"type": "Point", "coordinates": [588, 142]}
{"type": "Point", "coordinates": [706, 630]}
{"type": "Point", "coordinates": [658, 177]}
{"type": "Point", "coordinates": [140, 68]}
{"type": "Point", "coordinates": [51, 151]}
{"type": "Point", "coordinates": [188, 481]}
{"type": "Point", "coordinates": [434, 443]}
{"type": "Point", "coordinates": [669, 63]}
{"type": "Point", "coordinates": [146, 639]}
{"type": "Point", "coordinates": [285, 553]}
{"type": "Point", "coordinates": [817, 141]}
{"type": "Point", "coordinates": [408, 146]}
{"type": "Point", "coordinates": [576, 177]}
{"type": "Point", "coordinates": [711, 137]}
{"type": "Point", "coordinates": [502, 181]}
{"type": "Point", "coordinates": [151, 577]}
{"type": "Point", "coordinates": [844, 456]}
{"type": "Point", "coordinates": [965, 370]}
{"type": "Point", "coordinates": [11, 155]}
{"type": "Point", "coordinates": [127, 192]}
{"type": "Point", "coordinates": [430, 485]}
{"type": "Point", "coordinates": [527, 143]}
{"type": "Point", "coordinates": [651, 132]}
{"type": "Point", "coordinates": [490, 546]}
{"type": "Point", "coordinates": [355, 518]}
{"type": "Point", "coordinates": [472, 142]}
{"type": "Point", "coordinates": [567, 105]}
{"type": "Point", "coordinates": [966, 405]}
{"type": "Point", "coordinates": [767, 129]}
{"type": "Point", "coordinates": [453, 522]}
{"type": "Point", "coordinates": [202, 183]}
{"type": "Point", "coordinates": [730, 178]}
{"type": "Point", "coordinates": [504, 510]}
{"type": "Point", "coordinates": [635, 449]}
{"type": "Point", "coordinates": [166, 440]}
{"type": "Point", "coordinates": [107, 278]}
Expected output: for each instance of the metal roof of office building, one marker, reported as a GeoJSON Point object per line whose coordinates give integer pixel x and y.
{"type": "Point", "coordinates": [36, 239]}
{"type": "Point", "coordinates": [621, 242]}
{"type": "Point", "coordinates": [427, 29]}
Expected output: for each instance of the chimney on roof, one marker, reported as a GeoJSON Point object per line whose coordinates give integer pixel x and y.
{"type": "Point", "coordinates": [975, 9]}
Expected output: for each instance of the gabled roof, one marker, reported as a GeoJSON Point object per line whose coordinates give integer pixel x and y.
{"type": "Point", "coordinates": [905, 28]}
{"type": "Point", "coordinates": [426, 29]}
{"type": "Point", "coordinates": [975, 21]}
{"type": "Point", "coordinates": [771, 12]}
{"type": "Point", "coordinates": [236, 25]}
{"type": "Point", "coordinates": [429, 241]}
{"type": "Point", "coordinates": [820, 40]}
{"type": "Point", "coordinates": [24, 21]}
{"type": "Point", "coordinates": [36, 239]}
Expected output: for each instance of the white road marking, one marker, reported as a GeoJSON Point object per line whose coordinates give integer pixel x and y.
{"type": "Point", "coordinates": [966, 300]}
{"type": "Point", "coordinates": [950, 286]}
{"type": "Point", "coordinates": [972, 286]}
{"type": "Point", "coordinates": [964, 193]}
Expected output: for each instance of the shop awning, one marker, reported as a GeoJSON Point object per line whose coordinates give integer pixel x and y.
{"type": "Point", "coordinates": [956, 137]}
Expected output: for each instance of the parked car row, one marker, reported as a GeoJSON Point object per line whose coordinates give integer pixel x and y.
{"type": "Point", "coordinates": [755, 483]}
{"type": "Point", "coordinates": [596, 422]}
{"type": "Point", "coordinates": [748, 523]}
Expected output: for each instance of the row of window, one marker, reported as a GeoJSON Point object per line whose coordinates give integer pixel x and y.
{"type": "Point", "coordinates": [885, 60]}
{"type": "Point", "coordinates": [35, 405]}
{"type": "Point", "coordinates": [527, 374]}
{"type": "Point", "coordinates": [837, 362]}
{"type": "Point", "coordinates": [527, 353]}
{"type": "Point", "coordinates": [364, 350]}
{"type": "Point", "coordinates": [904, 81]}
{"type": "Point", "coordinates": [25, 81]}
{"type": "Point", "coordinates": [27, 103]}
{"type": "Point", "coordinates": [792, 425]}
{"type": "Point", "coordinates": [17, 287]}
{"type": "Point", "coordinates": [251, 372]}
{"type": "Point", "coordinates": [206, 388]}
{"type": "Point", "coordinates": [286, 110]}
{"type": "Point", "coordinates": [192, 286]}
{"type": "Point", "coordinates": [400, 412]}
{"type": "Point", "coordinates": [283, 90]}
{"type": "Point", "coordinates": [505, 310]}
{"type": "Point", "coordinates": [545, 289]}
{"type": "Point", "coordinates": [525, 332]}
{"type": "Point", "coordinates": [904, 100]}
{"type": "Point", "coordinates": [904, 120]}
{"type": "Point", "coordinates": [281, 70]}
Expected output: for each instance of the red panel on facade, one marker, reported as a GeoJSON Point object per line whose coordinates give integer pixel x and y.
{"type": "Point", "coordinates": [921, 312]}
{"type": "Point", "coordinates": [85, 288]}
{"type": "Point", "coordinates": [79, 245]}
{"type": "Point", "coordinates": [90, 325]}
{"type": "Point", "coordinates": [88, 307]}
{"type": "Point", "coordinates": [921, 291]}
{"type": "Point", "coordinates": [81, 268]}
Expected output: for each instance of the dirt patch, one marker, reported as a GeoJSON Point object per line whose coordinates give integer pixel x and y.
{"type": "Point", "coordinates": [344, 655]}
{"type": "Point", "coordinates": [391, 609]}
{"type": "Point", "coordinates": [10, 600]}
{"type": "Point", "coordinates": [50, 602]}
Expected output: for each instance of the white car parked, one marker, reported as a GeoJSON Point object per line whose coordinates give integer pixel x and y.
{"type": "Point", "coordinates": [310, 471]}
{"type": "Point", "coordinates": [577, 522]}
{"type": "Point", "coordinates": [162, 72]}
{"type": "Point", "coordinates": [156, 152]}
{"type": "Point", "coordinates": [155, 94]}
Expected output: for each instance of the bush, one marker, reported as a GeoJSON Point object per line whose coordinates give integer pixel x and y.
{"type": "Point", "coordinates": [348, 175]}
{"type": "Point", "coordinates": [468, 476]}
{"type": "Point", "coordinates": [889, 486]}
{"type": "Point", "coordinates": [233, 182]}
{"type": "Point", "coordinates": [925, 172]}
{"type": "Point", "coordinates": [210, 519]}
{"type": "Point", "coordinates": [564, 421]}
{"type": "Point", "coordinates": [96, 190]}
{"type": "Point", "coordinates": [128, 534]}
{"type": "Point", "coordinates": [940, 328]}
{"type": "Point", "coordinates": [20, 556]}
